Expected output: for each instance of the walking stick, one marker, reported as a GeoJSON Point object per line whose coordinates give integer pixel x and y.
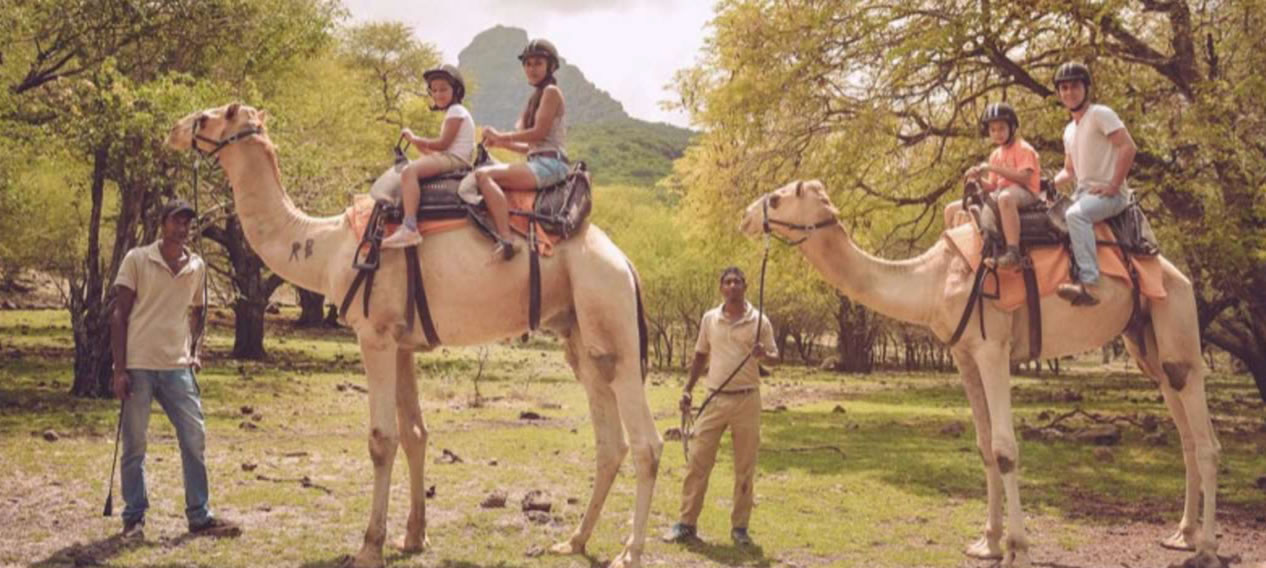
{"type": "Point", "coordinates": [118, 430]}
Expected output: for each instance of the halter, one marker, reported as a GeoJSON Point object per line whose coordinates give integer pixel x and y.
{"type": "Point", "coordinates": [247, 132]}
{"type": "Point", "coordinates": [807, 229]}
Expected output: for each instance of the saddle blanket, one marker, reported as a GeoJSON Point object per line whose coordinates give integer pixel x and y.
{"type": "Point", "coordinates": [1051, 266]}
{"type": "Point", "coordinates": [363, 206]}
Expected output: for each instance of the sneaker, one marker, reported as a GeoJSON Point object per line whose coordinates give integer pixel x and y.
{"type": "Point", "coordinates": [133, 530]}
{"type": "Point", "coordinates": [216, 527]}
{"type": "Point", "coordinates": [680, 533]}
{"type": "Point", "coordinates": [402, 238]}
{"type": "Point", "coordinates": [1078, 294]}
{"type": "Point", "coordinates": [740, 537]}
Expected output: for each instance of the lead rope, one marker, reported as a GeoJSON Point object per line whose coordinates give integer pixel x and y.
{"type": "Point", "coordinates": [687, 418]}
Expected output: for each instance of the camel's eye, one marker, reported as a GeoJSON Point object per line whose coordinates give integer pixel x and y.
{"type": "Point", "coordinates": [773, 200]}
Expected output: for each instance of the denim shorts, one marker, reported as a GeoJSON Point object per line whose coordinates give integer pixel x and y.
{"type": "Point", "coordinates": [547, 170]}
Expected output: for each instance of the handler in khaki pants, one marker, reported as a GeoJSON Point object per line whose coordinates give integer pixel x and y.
{"type": "Point", "coordinates": [726, 335]}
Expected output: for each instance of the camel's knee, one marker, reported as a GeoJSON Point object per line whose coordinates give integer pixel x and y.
{"type": "Point", "coordinates": [610, 456]}
{"type": "Point", "coordinates": [1177, 373]}
{"type": "Point", "coordinates": [382, 446]}
{"type": "Point", "coordinates": [1006, 454]}
{"type": "Point", "coordinates": [646, 457]}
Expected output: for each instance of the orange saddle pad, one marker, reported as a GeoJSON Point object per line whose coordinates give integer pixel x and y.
{"type": "Point", "coordinates": [363, 206]}
{"type": "Point", "coordinates": [1051, 265]}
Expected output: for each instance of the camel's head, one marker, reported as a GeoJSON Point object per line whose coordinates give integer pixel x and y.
{"type": "Point", "coordinates": [793, 211]}
{"type": "Point", "coordinates": [213, 125]}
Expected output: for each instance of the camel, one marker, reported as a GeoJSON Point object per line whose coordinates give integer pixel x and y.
{"type": "Point", "coordinates": [932, 289]}
{"type": "Point", "coordinates": [589, 298]}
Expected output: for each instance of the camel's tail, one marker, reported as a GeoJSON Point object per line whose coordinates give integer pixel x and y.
{"type": "Point", "coordinates": [641, 319]}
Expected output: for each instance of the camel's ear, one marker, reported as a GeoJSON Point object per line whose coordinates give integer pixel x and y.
{"type": "Point", "coordinates": [799, 188]}
{"type": "Point", "coordinates": [263, 116]}
{"type": "Point", "coordinates": [231, 112]}
{"type": "Point", "coordinates": [773, 200]}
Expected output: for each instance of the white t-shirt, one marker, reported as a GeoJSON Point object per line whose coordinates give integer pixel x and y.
{"type": "Point", "coordinates": [1094, 156]}
{"type": "Point", "coordinates": [463, 145]}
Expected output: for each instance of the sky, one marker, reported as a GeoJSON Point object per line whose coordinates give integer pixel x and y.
{"type": "Point", "coordinates": [629, 48]}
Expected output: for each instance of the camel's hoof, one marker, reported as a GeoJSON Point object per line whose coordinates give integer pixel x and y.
{"type": "Point", "coordinates": [1204, 559]}
{"type": "Point", "coordinates": [359, 562]}
{"type": "Point", "coordinates": [567, 548]}
{"type": "Point", "coordinates": [1018, 559]}
{"type": "Point", "coordinates": [984, 550]}
{"type": "Point", "coordinates": [1178, 541]}
{"type": "Point", "coordinates": [411, 546]}
{"type": "Point", "coordinates": [626, 559]}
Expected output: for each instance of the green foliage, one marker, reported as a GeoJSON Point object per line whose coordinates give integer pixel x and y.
{"type": "Point", "coordinates": [627, 151]}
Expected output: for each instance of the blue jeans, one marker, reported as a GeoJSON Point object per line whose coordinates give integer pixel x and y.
{"type": "Point", "coordinates": [178, 395]}
{"type": "Point", "coordinates": [1086, 210]}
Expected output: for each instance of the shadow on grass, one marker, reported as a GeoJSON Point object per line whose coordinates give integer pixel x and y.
{"type": "Point", "coordinates": [92, 553]}
{"type": "Point", "coordinates": [729, 555]}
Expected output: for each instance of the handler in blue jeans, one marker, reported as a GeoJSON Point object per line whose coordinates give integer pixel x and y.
{"type": "Point", "coordinates": [152, 331]}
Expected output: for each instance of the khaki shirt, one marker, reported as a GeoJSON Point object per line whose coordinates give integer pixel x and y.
{"type": "Point", "coordinates": [726, 341]}
{"type": "Point", "coordinates": [158, 328]}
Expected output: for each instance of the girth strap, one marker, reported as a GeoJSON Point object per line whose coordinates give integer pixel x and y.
{"type": "Point", "coordinates": [417, 297]}
{"type": "Point", "coordinates": [365, 277]}
{"type": "Point", "coordinates": [534, 277]}
{"type": "Point", "coordinates": [1033, 299]}
{"type": "Point", "coordinates": [972, 298]}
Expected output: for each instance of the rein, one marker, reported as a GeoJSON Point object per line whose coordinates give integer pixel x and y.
{"type": "Point", "coordinates": [688, 418]}
{"type": "Point", "coordinates": [199, 155]}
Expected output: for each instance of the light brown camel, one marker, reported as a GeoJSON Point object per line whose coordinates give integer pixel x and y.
{"type": "Point", "coordinates": [589, 299]}
{"type": "Point", "coordinates": [932, 289]}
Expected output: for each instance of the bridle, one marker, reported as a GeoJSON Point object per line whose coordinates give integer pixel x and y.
{"type": "Point", "coordinates": [220, 144]}
{"type": "Point", "coordinates": [808, 230]}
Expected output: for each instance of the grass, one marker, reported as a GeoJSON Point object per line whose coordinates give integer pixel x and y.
{"type": "Point", "coordinates": [903, 493]}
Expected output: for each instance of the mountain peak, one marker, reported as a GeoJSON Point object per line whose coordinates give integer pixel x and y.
{"type": "Point", "coordinates": [499, 91]}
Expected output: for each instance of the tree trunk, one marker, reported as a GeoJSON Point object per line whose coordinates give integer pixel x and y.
{"type": "Point", "coordinates": [855, 340]}
{"type": "Point", "coordinates": [1242, 333]}
{"type": "Point", "coordinates": [311, 308]}
{"type": "Point", "coordinates": [89, 310]}
{"type": "Point", "coordinates": [248, 329]}
{"type": "Point", "coordinates": [253, 289]}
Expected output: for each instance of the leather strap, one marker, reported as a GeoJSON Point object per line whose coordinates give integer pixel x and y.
{"type": "Point", "coordinates": [417, 296]}
{"type": "Point", "coordinates": [1033, 299]}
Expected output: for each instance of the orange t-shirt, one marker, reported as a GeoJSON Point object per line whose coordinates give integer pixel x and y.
{"type": "Point", "coordinates": [1018, 156]}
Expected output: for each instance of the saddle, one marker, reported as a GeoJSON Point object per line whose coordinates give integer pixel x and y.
{"type": "Point", "coordinates": [559, 211]}
{"type": "Point", "coordinates": [1043, 224]}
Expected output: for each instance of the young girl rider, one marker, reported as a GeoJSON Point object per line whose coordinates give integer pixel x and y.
{"type": "Point", "coordinates": [451, 151]}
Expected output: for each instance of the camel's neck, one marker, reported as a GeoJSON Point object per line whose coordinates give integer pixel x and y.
{"type": "Point", "coordinates": [906, 290]}
{"type": "Point", "coordinates": [291, 244]}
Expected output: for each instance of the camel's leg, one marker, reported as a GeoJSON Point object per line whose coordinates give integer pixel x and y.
{"type": "Point", "coordinates": [608, 440]}
{"type": "Point", "coordinates": [413, 439]}
{"type": "Point", "coordinates": [646, 445]}
{"type": "Point", "coordinates": [1185, 537]}
{"type": "Point", "coordinates": [990, 545]}
{"type": "Point", "coordinates": [380, 368]}
{"type": "Point", "coordinates": [1178, 345]}
{"type": "Point", "coordinates": [993, 362]}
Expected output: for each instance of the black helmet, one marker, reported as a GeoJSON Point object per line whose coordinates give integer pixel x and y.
{"type": "Point", "coordinates": [454, 78]}
{"type": "Point", "coordinates": [1072, 71]}
{"type": "Point", "coordinates": [999, 111]}
{"type": "Point", "coordinates": [541, 48]}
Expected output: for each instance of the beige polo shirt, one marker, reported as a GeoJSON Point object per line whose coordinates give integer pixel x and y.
{"type": "Point", "coordinates": [158, 328]}
{"type": "Point", "coordinates": [726, 341]}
